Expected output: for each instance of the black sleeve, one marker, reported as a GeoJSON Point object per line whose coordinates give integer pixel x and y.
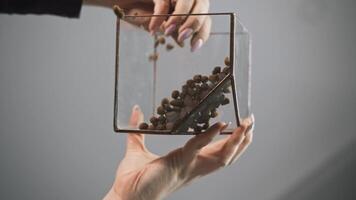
{"type": "Point", "coordinates": [65, 8]}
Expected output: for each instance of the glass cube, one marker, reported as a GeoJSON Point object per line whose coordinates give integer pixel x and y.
{"type": "Point", "coordinates": [149, 68]}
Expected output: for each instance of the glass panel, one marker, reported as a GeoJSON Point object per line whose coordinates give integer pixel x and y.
{"type": "Point", "coordinates": [150, 69]}
{"type": "Point", "coordinates": [243, 69]}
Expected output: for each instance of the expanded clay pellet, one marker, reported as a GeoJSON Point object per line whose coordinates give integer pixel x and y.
{"type": "Point", "coordinates": [227, 62]}
{"type": "Point", "coordinates": [153, 57]}
{"type": "Point", "coordinates": [169, 47]}
{"type": "Point", "coordinates": [119, 12]}
{"type": "Point", "coordinates": [143, 125]}
{"type": "Point", "coordinates": [175, 94]}
{"type": "Point", "coordinates": [161, 40]}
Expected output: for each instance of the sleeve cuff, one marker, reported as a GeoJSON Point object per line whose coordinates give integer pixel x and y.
{"type": "Point", "coordinates": [65, 8]}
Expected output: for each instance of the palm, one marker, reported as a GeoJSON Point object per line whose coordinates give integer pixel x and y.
{"type": "Point", "coordinates": [135, 160]}
{"type": "Point", "coordinates": [144, 175]}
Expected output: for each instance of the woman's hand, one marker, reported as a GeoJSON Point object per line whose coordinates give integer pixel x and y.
{"type": "Point", "coordinates": [143, 175]}
{"type": "Point", "coordinates": [179, 27]}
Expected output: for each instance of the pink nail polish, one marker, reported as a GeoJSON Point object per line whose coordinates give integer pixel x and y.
{"type": "Point", "coordinates": [169, 30]}
{"type": "Point", "coordinates": [197, 45]}
{"type": "Point", "coordinates": [185, 34]}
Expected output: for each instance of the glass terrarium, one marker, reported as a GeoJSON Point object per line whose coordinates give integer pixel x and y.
{"type": "Point", "coordinates": [182, 92]}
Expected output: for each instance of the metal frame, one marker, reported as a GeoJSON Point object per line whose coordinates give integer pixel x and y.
{"type": "Point", "coordinates": [230, 77]}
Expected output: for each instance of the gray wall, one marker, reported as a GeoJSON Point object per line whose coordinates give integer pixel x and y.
{"type": "Point", "coordinates": [56, 79]}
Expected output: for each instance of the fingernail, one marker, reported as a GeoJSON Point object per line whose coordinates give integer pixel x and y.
{"type": "Point", "coordinates": [181, 44]}
{"type": "Point", "coordinates": [252, 124]}
{"type": "Point", "coordinates": [225, 126]}
{"type": "Point", "coordinates": [136, 108]}
{"type": "Point", "coordinates": [169, 30]}
{"type": "Point", "coordinates": [252, 121]}
{"type": "Point", "coordinates": [185, 34]}
{"type": "Point", "coordinates": [197, 45]}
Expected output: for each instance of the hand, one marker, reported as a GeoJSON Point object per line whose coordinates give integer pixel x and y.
{"type": "Point", "coordinates": [179, 27]}
{"type": "Point", "coordinates": [143, 175]}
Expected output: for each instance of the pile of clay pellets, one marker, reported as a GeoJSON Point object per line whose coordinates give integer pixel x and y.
{"type": "Point", "coordinates": [172, 110]}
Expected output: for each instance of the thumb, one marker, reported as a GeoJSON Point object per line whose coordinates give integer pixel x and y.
{"type": "Point", "coordinates": [136, 116]}
{"type": "Point", "coordinates": [135, 141]}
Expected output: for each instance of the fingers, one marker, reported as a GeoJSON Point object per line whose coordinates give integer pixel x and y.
{"type": "Point", "coordinates": [161, 7]}
{"type": "Point", "coordinates": [135, 141]}
{"type": "Point", "coordinates": [182, 27]}
{"type": "Point", "coordinates": [195, 22]}
{"type": "Point", "coordinates": [245, 143]}
{"type": "Point", "coordinates": [175, 38]}
{"type": "Point", "coordinates": [194, 145]}
{"type": "Point", "coordinates": [201, 36]}
{"type": "Point", "coordinates": [237, 142]}
{"type": "Point", "coordinates": [182, 7]}
{"type": "Point", "coordinates": [231, 145]}
{"type": "Point", "coordinates": [197, 26]}
{"type": "Point", "coordinates": [136, 116]}
{"type": "Point", "coordinates": [220, 153]}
